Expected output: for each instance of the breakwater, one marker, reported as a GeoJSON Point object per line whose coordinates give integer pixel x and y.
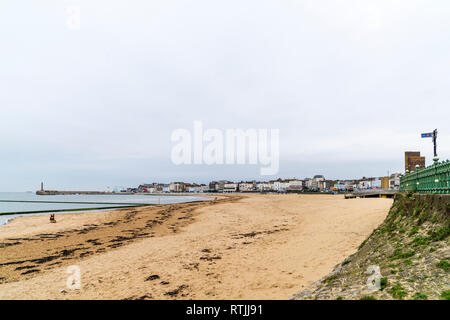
{"type": "Point", "coordinates": [65, 193]}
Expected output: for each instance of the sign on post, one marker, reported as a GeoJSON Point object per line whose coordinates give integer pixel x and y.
{"type": "Point", "coordinates": [434, 136]}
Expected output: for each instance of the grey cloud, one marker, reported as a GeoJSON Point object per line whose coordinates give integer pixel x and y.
{"type": "Point", "coordinates": [350, 85]}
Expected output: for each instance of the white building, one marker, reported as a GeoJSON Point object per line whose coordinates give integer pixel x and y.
{"type": "Point", "coordinates": [376, 183]}
{"type": "Point", "coordinates": [364, 184]}
{"type": "Point", "coordinates": [193, 188]}
{"type": "Point", "coordinates": [394, 181]}
{"type": "Point", "coordinates": [308, 183]}
{"type": "Point", "coordinates": [280, 185]}
{"type": "Point", "coordinates": [247, 186]}
{"type": "Point", "coordinates": [369, 183]}
{"type": "Point", "coordinates": [295, 185]}
{"type": "Point", "coordinates": [318, 183]}
{"type": "Point", "coordinates": [264, 186]}
{"type": "Point", "coordinates": [287, 184]}
{"type": "Point", "coordinates": [230, 187]}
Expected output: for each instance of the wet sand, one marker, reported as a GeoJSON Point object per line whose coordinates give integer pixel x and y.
{"type": "Point", "coordinates": [235, 247]}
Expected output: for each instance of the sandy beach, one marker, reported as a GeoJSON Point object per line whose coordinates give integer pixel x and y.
{"type": "Point", "coordinates": [235, 247]}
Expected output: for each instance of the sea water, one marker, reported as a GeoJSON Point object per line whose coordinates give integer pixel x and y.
{"type": "Point", "coordinates": [84, 202]}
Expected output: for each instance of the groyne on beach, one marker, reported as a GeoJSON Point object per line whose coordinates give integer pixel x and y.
{"type": "Point", "coordinates": [60, 193]}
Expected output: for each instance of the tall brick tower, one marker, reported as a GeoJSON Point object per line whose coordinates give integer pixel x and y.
{"type": "Point", "coordinates": [413, 158]}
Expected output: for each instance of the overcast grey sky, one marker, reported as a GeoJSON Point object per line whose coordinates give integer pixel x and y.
{"type": "Point", "coordinates": [350, 84]}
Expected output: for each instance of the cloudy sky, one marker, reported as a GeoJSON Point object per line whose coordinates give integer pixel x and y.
{"type": "Point", "coordinates": [349, 84]}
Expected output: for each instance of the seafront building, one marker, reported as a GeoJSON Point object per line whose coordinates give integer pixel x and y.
{"type": "Point", "coordinates": [316, 184]}
{"type": "Point", "coordinates": [264, 186]}
{"type": "Point", "coordinates": [394, 181]}
{"type": "Point", "coordinates": [230, 187]}
{"type": "Point", "coordinates": [247, 186]}
{"type": "Point", "coordinates": [413, 159]}
{"type": "Point", "coordinates": [177, 187]}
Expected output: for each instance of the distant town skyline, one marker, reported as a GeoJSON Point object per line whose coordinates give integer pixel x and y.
{"type": "Point", "coordinates": [317, 183]}
{"type": "Point", "coordinates": [350, 86]}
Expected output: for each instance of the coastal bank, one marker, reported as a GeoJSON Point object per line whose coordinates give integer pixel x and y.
{"type": "Point", "coordinates": [406, 257]}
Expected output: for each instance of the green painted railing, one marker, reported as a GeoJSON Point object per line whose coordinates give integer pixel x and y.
{"type": "Point", "coordinates": [432, 179]}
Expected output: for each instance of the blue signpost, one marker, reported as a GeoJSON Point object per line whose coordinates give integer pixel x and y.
{"type": "Point", "coordinates": [434, 136]}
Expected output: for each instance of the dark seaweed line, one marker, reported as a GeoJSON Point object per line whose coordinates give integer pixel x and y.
{"type": "Point", "coordinates": [71, 210]}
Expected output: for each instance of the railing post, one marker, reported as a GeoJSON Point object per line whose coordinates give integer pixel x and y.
{"type": "Point", "coordinates": [435, 177]}
{"type": "Point", "coordinates": [417, 178]}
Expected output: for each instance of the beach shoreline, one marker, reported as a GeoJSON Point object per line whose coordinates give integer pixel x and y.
{"type": "Point", "coordinates": [238, 246]}
{"type": "Point", "coordinates": [94, 206]}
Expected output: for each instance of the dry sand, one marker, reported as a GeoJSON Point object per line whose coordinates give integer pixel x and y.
{"type": "Point", "coordinates": [237, 247]}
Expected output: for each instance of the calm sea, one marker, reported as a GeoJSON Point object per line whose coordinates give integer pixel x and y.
{"type": "Point", "coordinates": [83, 202]}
